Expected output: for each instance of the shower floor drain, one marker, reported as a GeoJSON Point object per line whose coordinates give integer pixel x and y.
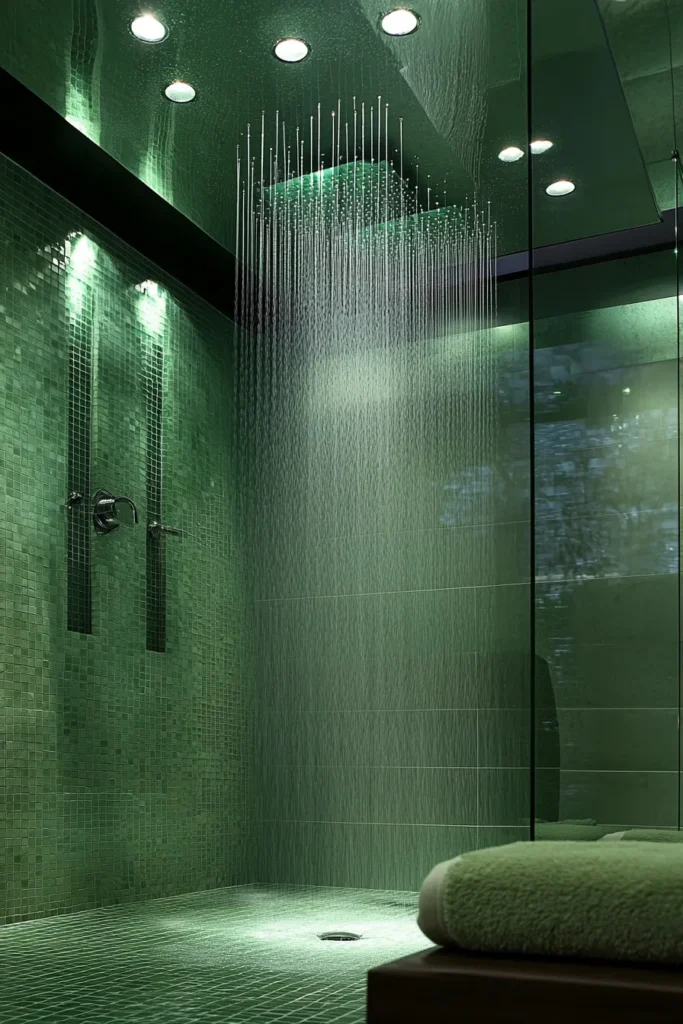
{"type": "Point", "coordinates": [339, 936]}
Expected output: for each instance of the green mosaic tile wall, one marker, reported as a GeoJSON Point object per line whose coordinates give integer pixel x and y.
{"type": "Point", "coordinates": [123, 767]}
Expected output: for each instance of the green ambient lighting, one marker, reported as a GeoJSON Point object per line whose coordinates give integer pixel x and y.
{"type": "Point", "coordinates": [151, 306]}
{"type": "Point", "coordinates": [81, 262]}
{"type": "Point", "coordinates": [154, 171]}
{"type": "Point", "coordinates": [77, 123]}
{"type": "Point", "coordinates": [81, 112]}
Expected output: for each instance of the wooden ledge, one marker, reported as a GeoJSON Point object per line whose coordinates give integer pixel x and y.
{"type": "Point", "coordinates": [439, 986]}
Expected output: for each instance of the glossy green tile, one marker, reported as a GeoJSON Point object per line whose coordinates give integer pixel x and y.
{"type": "Point", "coordinates": [421, 560]}
{"type": "Point", "coordinates": [501, 835]}
{"type": "Point", "coordinates": [258, 947]}
{"type": "Point", "coordinates": [503, 738]}
{"type": "Point", "coordinates": [594, 674]}
{"type": "Point", "coordinates": [640, 610]}
{"type": "Point", "coordinates": [503, 796]}
{"type": "Point", "coordinates": [373, 650]}
{"type": "Point", "coordinates": [423, 796]}
{"type": "Point", "coordinates": [391, 856]}
{"type": "Point", "coordinates": [641, 740]}
{"type": "Point", "coordinates": [628, 798]}
{"type": "Point", "coordinates": [436, 738]}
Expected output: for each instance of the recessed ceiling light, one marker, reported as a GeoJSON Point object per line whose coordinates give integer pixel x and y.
{"type": "Point", "coordinates": [400, 22]}
{"type": "Point", "coordinates": [180, 92]}
{"type": "Point", "coordinates": [560, 188]}
{"type": "Point", "coordinates": [540, 146]}
{"type": "Point", "coordinates": [511, 154]}
{"type": "Point", "coordinates": [148, 28]}
{"type": "Point", "coordinates": [291, 51]}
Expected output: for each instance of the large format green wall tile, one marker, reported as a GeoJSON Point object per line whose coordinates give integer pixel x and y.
{"type": "Point", "coordinates": [628, 798]}
{"type": "Point", "coordinates": [609, 611]}
{"type": "Point", "coordinates": [614, 739]}
{"type": "Point", "coordinates": [369, 855]}
{"type": "Point", "coordinates": [423, 560]}
{"type": "Point", "coordinates": [393, 650]}
{"type": "Point", "coordinates": [414, 796]}
{"type": "Point", "coordinates": [434, 738]}
{"type": "Point", "coordinates": [500, 835]}
{"type": "Point", "coordinates": [628, 674]}
{"type": "Point", "coordinates": [503, 796]}
{"type": "Point", "coordinates": [503, 738]}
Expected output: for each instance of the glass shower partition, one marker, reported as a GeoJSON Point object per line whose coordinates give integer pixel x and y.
{"type": "Point", "coordinates": [606, 348]}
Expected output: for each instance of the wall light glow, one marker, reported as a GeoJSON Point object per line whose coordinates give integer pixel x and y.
{"type": "Point", "coordinates": [80, 263]}
{"type": "Point", "coordinates": [77, 123]}
{"type": "Point", "coordinates": [151, 306]}
{"type": "Point", "coordinates": [81, 109]}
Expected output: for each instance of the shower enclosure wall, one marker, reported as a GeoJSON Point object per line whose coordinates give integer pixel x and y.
{"type": "Point", "coordinates": [406, 577]}
{"type": "Point", "coordinates": [607, 484]}
{"type": "Point", "coordinates": [123, 723]}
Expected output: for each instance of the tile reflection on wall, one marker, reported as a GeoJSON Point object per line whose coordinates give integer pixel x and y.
{"type": "Point", "coordinates": [607, 507]}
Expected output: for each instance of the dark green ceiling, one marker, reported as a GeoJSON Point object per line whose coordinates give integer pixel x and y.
{"type": "Point", "coordinates": [459, 84]}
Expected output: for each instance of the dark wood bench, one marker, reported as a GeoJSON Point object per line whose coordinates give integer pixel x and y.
{"type": "Point", "coordinates": [439, 986]}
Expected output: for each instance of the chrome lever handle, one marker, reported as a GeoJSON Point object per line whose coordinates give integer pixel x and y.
{"type": "Point", "coordinates": [104, 512]}
{"type": "Point", "coordinates": [156, 529]}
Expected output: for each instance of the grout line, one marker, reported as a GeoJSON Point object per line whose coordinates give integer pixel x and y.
{"type": "Point", "coordinates": [267, 711]}
{"type": "Point", "coordinates": [378, 824]}
{"type": "Point", "coordinates": [539, 582]}
{"type": "Point", "coordinates": [476, 778]}
{"type": "Point", "coordinates": [474, 768]}
{"type": "Point", "coordinates": [413, 767]}
{"type": "Point", "coordinates": [389, 593]}
{"type": "Point", "coordinates": [573, 580]}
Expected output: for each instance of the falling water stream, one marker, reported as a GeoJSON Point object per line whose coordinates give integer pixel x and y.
{"type": "Point", "coordinates": [366, 397]}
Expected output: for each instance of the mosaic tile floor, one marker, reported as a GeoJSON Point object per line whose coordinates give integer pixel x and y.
{"type": "Point", "coordinates": [246, 954]}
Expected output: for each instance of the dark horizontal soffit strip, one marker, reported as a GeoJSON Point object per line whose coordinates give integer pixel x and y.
{"type": "Point", "coordinates": [36, 137]}
{"type": "Point", "coordinates": [40, 140]}
{"type": "Point", "coordinates": [617, 245]}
